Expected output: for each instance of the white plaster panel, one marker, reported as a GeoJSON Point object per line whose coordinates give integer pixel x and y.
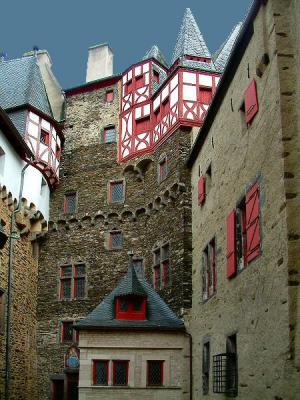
{"type": "Point", "coordinates": [217, 79]}
{"type": "Point", "coordinates": [189, 92]}
{"type": "Point", "coordinates": [45, 156]}
{"type": "Point", "coordinates": [130, 123]}
{"type": "Point", "coordinates": [189, 77]}
{"type": "Point", "coordinates": [138, 70]}
{"type": "Point", "coordinates": [205, 80]}
{"type": "Point", "coordinates": [58, 141]}
{"type": "Point", "coordinates": [46, 125]}
{"type": "Point", "coordinates": [141, 146]}
{"type": "Point", "coordinates": [124, 79]}
{"type": "Point", "coordinates": [33, 130]}
{"type": "Point", "coordinates": [147, 109]}
{"type": "Point", "coordinates": [142, 136]}
{"type": "Point", "coordinates": [173, 97]}
{"type": "Point", "coordinates": [53, 145]}
{"type": "Point", "coordinates": [205, 106]}
{"type": "Point", "coordinates": [34, 117]}
{"type": "Point", "coordinates": [165, 93]}
{"type": "Point", "coordinates": [125, 152]}
{"type": "Point", "coordinates": [156, 103]}
{"type": "Point", "coordinates": [146, 67]}
{"type": "Point", "coordinates": [174, 82]}
{"type": "Point", "coordinates": [147, 79]}
{"type": "Point", "coordinates": [129, 75]}
{"type": "Point", "coordinates": [138, 112]}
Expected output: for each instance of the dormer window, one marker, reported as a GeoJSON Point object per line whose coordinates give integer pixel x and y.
{"type": "Point", "coordinates": [130, 307]}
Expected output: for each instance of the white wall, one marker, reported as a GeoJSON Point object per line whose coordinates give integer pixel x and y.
{"type": "Point", "coordinates": [11, 174]}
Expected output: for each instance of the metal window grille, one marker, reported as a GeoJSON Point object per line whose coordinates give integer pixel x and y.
{"type": "Point", "coordinates": [139, 268]}
{"type": "Point", "coordinates": [70, 203]}
{"type": "Point", "coordinates": [109, 135]}
{"type": "Point", "coordinates": [116, 192]}
{"type": "Point", "coordinates": [120, 372]}
{"type": "Point", "coordinates": [101, 369]}
{"type": "Point", "coordinates": [155, 373]}
{"type": "Point", "coordinates": [67, 332]}
{"type": "Point", "coordinates": [225, 373]}
{"type": "Point", "coordinates": [116, 240]}
{"type": "Point", "coordinates": [80, 288]}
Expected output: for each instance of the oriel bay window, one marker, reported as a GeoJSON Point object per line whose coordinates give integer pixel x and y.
{"type": "Point", "coordinates": [209, 273]}
{"type": "Point", "coordinates": [72, 281]}
{"type": "Point", "coordinates": [243, 232]}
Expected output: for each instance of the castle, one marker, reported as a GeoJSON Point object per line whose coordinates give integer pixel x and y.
{"type": "Point", "coordinates": [149, 220]}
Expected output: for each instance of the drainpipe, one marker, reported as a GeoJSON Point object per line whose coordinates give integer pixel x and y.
{"type": "Point", "coordinates": [12, 236]}
{"type": "Point", "coordinates": [191, 364]}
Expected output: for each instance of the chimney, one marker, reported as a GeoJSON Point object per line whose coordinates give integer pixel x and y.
{"type": "Point", "coordinates": [100, 62]}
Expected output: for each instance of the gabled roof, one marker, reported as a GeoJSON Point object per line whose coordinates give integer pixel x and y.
{"type": "Point", "coordinates": [221, 56]}
{"type": "Point", "coordinates": [21, 83]}
{"type": "Point", "coordinates": [190, 40]}
{"type": "Point", "coordinates": [156, 53]}
{"type": "Point", "coordinates": [159, 315]}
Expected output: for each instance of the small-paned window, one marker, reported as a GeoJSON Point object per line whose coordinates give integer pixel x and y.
{"type": "Point", "coordinates": [100, 372]}
{"type": "Point", "coordinates": [205, 368]}
{"type": "Point", "coordinates": [70, 203]}
{"type": "Point", "coordinates": [161, 267]}
{"type": "Point", "coordinates": [116, 192]}
{"type": "Point", "coordinates": [109, 134]}
{"type": "Point", "coordinates": [155, 76]}
{"type": "Point", "coordinates": [115, 240]}
{"type": "Point", "coordinates": [68, 333]}
{"type": "Point", "coordinates": [163, 169]}
{"type": "Point", "coordinates": [155, 373]}
{"type": "Point", "coordinates": [109, 96]}
{"type": "Point", "coordinates": [120, 373]}
{"type": "Point", "coordinates": [209, 273]}
{"type": "Point", "coordinates": [45, 137]}
{"type": "Point", "coordinates": [72, 281]}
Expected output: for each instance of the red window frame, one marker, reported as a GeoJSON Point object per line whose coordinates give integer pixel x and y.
{"type": "Point", "coordinates": [46, 135]}
{"type": "Point", "coordinates": [161, 266]}
{"type": "Point", "coordinates": [205, 95]}
{"type": "Point", "coordinates": [156, 76]}
{"type": "Point", "coordinates": [114, 363]}
{"type": "Point", "coordinates": [130, 314]}
{"type": "Point", "coordinates": [106, 362]}
{"type": "Point", "coordinates": [161, 363]}
{"type": "Point", "coordinates": [201, 190]}
{"type": "Point", "coordinates": [72, 278]}
{"type": "Point", "coordinates": [109, 96]}
{"type": "Point", "coordinates": [128, 86]}
{"type": "Point", "coordinates": [57, 152]}
{"type": "Point", "coordinates": [142, 124]}
{"type": "Point", "coordinates": [66, 205]}
{"type": "Point", "coordinates": [63, 330]}
{"type": "Point", "coordinates": [251, 102]}
{"type": "Point", "coordinates": [165, 107]}
{"type": "Point", "coordinates": [105, 133]}
{"type": "Point", "coordinates": [139, 81]}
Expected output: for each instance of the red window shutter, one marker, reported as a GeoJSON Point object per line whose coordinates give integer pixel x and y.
{"type": "Point", "coordinates": [231, 245]}
{"type": "Point", "coordinates": [252, 223]}
{"type": "Point", "coordinates": [142, 125]}
{"type": "Point", "coordinates": [109, 96]}
{"type": "Point", "coordinates": [251, 103]}
{"type": "Point", "coordinates": [201, 190]}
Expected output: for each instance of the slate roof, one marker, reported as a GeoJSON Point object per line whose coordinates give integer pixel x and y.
{"type": "Point", "coordinates": [190, 40]}
{"type": "Point", "coordinates": [156, 53]}
{"type": "Point", "coordinates": [222, 55]}
{"type": "Point", "coordinates": [21, 83]}
{"type": "Point", "coordinates": [159, 315]}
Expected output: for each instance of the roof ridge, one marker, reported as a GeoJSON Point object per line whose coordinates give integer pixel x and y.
{"type": "Point", "coordinates": [155, 52]}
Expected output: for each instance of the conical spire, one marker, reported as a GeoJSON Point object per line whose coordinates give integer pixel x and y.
{"type": "Point", "coordinates": [155, 52]}
{"type": "Point", "coordinates": [221, 56]}
{"type": "Point", "coordinates": [190, 40]}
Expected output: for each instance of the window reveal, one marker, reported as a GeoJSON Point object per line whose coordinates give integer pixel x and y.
{"type": "Point", "coordinates": [209, 277]}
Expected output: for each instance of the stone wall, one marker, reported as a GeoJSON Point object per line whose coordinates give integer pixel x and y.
{"type": "Point", "coordinates": [24, 300]}
{"type": "Point", "coordinates": [153, 213]}
{"type": "Point", "coordinates": [137, 348]}
{"type": "Point", "coordinates": [259, 303]}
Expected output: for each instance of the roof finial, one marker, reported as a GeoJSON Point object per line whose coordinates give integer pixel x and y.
{"type": "Point", "coordinates": [3, 56]}
{"type": "Point", "coordinates": [35, 50]}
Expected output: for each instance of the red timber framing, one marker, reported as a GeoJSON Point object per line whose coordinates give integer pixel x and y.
{"type": "Point", "coordinates": [147, 119]}
{"type": "Point", "coordinates": [44, 138]}
{"type": "Point", "coordinates": [130, 308]}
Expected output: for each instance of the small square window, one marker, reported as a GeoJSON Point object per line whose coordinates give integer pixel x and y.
{"type": "Point", "coordinates": [109, 135]}
{"type": "Point", "coordinates": [115, 240]}
{"type": "Point", "coordinates": [116, 192]}
{"type": "Point", "coordinates": [70, 203]}
{"type": "Point", "coordinates": [109, 96]}
{"type": "Point", "coordinates": [155, 373]}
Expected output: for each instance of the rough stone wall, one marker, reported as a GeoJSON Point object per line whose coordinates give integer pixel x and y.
{"type": "Point", "coordinates": [256, 303]}
{"type": "Point", "coordinates": [137, 348]}
{"type": "Point", "coordinates": [24, 298]}
{"type": "Point", "coordinates": [152, 214]}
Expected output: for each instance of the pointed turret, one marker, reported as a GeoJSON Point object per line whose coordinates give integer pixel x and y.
{"type": "Point", "coordinates": [190, 40]}
{"type": "Point", "coordinates": [156, 53]}
{"type": "Point", "coordinates": [220, 58]}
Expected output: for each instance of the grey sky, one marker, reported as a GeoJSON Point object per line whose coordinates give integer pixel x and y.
{"type": "Point", "coordinates": [66, 28]}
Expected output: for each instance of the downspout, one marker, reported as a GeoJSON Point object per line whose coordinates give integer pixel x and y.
{"type": "Point", "coordinates": [12, 237]}
{"type": "Point", "coordinates": [191, 364]}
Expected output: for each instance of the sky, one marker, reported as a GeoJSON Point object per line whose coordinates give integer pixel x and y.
{"type": "Point", "coordinates": [67, 28]}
